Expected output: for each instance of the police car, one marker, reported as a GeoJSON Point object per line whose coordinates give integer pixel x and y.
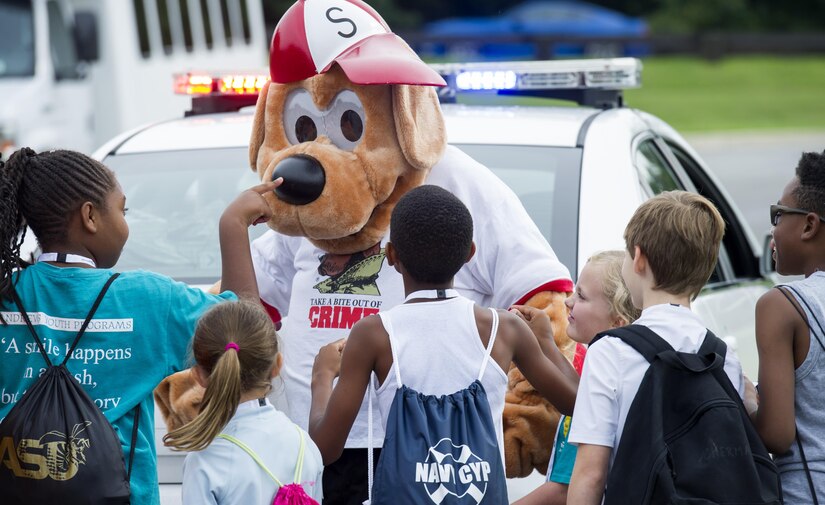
{"type": "Point", "coordinates": [579, 171]}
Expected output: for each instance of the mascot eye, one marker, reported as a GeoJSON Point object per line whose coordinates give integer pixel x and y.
{"type": "Point", "coordinates": [345, 121]}
{"type": "Point", "coordinates": [302, 119]}
{"type": "Point", "coordinates": [305, 129]}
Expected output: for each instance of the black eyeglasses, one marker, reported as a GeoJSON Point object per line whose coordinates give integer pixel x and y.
{"type": "Point", "coordinates": [777, 210]}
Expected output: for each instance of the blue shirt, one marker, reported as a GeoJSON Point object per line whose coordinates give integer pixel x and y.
{"type": "Point", "coordinates": [139, 335]}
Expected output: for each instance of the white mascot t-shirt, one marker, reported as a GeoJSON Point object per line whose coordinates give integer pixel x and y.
{"type": "Point", "coordinates": [321, 296]}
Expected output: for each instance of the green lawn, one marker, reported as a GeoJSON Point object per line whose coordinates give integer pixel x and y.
{"type": "Point", "coordinates": [742, 93]}
{"type": "Point", "coordinates": [734, 94]}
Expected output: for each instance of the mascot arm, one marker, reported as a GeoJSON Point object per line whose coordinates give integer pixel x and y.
{"type": "Point", "coordinates": [529, 420]}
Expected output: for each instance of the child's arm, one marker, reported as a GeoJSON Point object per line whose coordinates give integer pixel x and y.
{"type": "Point", "coordinates": [776, 323]}
{"type": "Point", "coordinates": [557, 387]}
{"type": "Point", "coordinates": [589, 475]}
{"type": "Point", "coordinates": [249, 208]}
{"type": "Point", "coordinates": [539, 323]}
{"type": "Point", "coordinates": [333, 411]}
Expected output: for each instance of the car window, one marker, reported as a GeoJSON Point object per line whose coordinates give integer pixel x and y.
{"type": "Point", "coordinates": [740, 256]}
{"type": "Point", "coordinates": [654, 172]}
{"type": "Point", "coordinates": [546, 180]}
{"type": "Point", "coordinates": [175, 200]}
{"type": "Point", "coordinates": [62, 45]}
{"type": "Point", "coordinates": [656, 175]}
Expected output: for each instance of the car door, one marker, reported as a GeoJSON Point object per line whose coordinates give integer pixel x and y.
{"type": "Point", "coordinates": [727, 302]}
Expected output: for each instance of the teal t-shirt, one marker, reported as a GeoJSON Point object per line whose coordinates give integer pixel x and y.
{"type": "Point", "coordinates": [139, 335]}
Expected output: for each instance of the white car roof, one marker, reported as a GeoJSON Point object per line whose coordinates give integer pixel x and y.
{"type": "Point", "coordinates": [466, 124]}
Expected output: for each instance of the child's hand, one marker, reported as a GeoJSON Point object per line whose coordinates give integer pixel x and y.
{"type": "Point", "coordinates": [536, 319]}
{"type": "Point", "coordinates": [328, 360]}
{"type": "Point", "coordinates": [250, 207]}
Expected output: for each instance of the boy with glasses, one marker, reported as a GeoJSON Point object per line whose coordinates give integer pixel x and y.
{"type": "Point", "coordinates": [790, 340]}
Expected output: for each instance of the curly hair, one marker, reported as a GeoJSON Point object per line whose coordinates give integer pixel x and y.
{"type": "Point", "coordinates": [432, 231]}
{"type": "Point", "coordinates": [42, 191]}
{"type": "Point", "coordinates": [810, 194]}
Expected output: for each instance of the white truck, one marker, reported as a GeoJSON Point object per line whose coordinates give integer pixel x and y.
{"type": "Point", "coordinates": [74, 73]}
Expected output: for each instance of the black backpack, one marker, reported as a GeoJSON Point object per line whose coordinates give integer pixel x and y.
{"type": "Point", "coordinates": [688, 438]}
{"type": "Point", "coordinates": [56, 446]}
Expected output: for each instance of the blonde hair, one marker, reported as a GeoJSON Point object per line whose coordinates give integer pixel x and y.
{"type": "Point", "coordinates": [679, 233]}
{"type": "Point", "coordinates": [613, 286]}
{"type": "Point", "coordinates": [232, 372]}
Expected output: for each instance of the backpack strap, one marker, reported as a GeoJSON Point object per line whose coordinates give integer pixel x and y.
{"type": "Point", "coordinates": [25, 315]}
{"type": "Point", "coordinates": [254, 456]}
{"type": "Point", "coordinates": [713, 345]}
{"type": "Point", "coordinates": [490, 342]}
{"type": "Point", "coordinates": [134, 441]}
{"type": "Point", "coordinates": [641, 338]}
{"type": "Point", "coordinates": [90, 315]}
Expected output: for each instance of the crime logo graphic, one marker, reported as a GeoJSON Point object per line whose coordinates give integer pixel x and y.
{"type": "Point", "coordinates": [453, 470]}
{"type": "Point", "coordinates": [53, 455]}
{"type": "Point", "coordinates": [351, 274]}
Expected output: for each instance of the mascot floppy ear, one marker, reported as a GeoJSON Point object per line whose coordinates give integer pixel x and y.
{"type": "Point", "coordinates": [419, 124]}
{"type": "Point", "coordinates": [258, 128]}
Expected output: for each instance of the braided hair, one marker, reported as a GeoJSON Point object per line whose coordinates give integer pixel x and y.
{"type": "Point", "coordinates": [42, 191]}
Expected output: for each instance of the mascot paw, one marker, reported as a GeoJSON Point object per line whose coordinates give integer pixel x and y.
{"type": "Point", "coordinates": [529, 427]}
{"type": "Point", "coordinates": [178, 398]}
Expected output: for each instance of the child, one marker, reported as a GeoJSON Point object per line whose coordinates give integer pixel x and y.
{"type": "Point", "coordinates": [433, 344]}
{"type": "Point", "coordinates": [672, 246]}
{"type": "Point", "coordinates": [140, 332]}
{"type": "Point", "coordinates": [600, 302]}
{"type": "Point", "coordinates": [789, 336]}
{"type": "Point", "coordinates": [236, 351]}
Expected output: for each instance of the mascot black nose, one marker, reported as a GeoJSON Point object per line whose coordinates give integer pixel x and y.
{"type": "Point", "coordinates": [304, 179]}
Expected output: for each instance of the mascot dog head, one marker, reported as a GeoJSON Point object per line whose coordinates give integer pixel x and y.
{"type": "Point", "coordinates": [350, 120]}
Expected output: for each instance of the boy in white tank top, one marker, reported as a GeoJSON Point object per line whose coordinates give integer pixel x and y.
{"type": "Point", "coordinates": [430, 239]}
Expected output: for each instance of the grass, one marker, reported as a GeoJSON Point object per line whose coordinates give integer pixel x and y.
{"type": "Point", "coordinates": [742, 93]}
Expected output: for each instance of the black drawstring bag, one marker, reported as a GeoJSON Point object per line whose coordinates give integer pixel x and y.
{"type": "Point", "coordinates": [56, 446]}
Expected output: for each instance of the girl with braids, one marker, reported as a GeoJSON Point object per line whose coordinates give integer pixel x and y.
{"type": "Point", "coordinates": [141, 330]}
{"type": "Point", "coordinates": [244, 450]}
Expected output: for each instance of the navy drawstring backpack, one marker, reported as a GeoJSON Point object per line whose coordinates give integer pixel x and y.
{"type": "Point", "coordinates": [440, 449]}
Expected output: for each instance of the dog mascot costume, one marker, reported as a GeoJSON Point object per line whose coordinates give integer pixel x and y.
{"type": "Point", "coordinates": [351, 121]}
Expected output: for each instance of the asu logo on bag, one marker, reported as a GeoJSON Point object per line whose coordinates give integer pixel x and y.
{"type": "Point", "coordinates": [53, 455]}
{"type": "Point", "coordinates": [453, 470]}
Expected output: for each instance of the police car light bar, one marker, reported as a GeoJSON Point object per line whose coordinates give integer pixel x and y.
{"type": "Point", "coordinates": [579, 80]}
{"type": "Point", "coordinates": [228, 92]}
{"type": "Point", "coordinates": [201, 84]}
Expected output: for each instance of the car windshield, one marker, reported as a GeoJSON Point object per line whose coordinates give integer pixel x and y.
{"type": "Point", "coordinates": [176, 198]}
{"type": "Point", "coordinates": [16, 38]}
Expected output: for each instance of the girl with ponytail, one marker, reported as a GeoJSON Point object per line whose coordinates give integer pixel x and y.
{"type": "Point", "coordinates": [236, 356]}
{"type": "Point", "coordinates": [141, 329]}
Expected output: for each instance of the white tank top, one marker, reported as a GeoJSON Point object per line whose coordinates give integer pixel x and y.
{"type": "Point", "coordinates": [437, 351]}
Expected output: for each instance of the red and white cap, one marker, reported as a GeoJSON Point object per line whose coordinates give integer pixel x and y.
{"type": "Point", "coordinates": [314, 34]}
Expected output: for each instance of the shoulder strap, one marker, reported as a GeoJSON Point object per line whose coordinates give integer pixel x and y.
{"type": "Point", "coordinates": [299, 466]}
{"type": "Point", "coordinates": [810, 328]}
{"type": "Point", "coordinates": [253, 455]}
{"type": "Point", "coordinates": [644, 340]}
{"type": "Point", "coordinates": [490, 342]}
{"type": "Point", "coordinates": [90, 315]}
{"type": "Point", "coordinates": [25, 315]}
{"type": "Point", "coordinates": [385, 320]}
{"type": "Point", "coordinates": [713, 344]}
{"type": "Point", "coordinates": [134, 441]}
{"type": "Point", "coordinates": [802, 314]}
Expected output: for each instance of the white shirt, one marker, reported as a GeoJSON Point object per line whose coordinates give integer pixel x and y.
{"type": "Point", "coordinates": [439, 352]}
{"type": "Point", "coordinates": [512, 260]}
{"type": "Point", "coordinates": [613, 372]}
{"type": "Point", "coordinates": [223, 473]}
